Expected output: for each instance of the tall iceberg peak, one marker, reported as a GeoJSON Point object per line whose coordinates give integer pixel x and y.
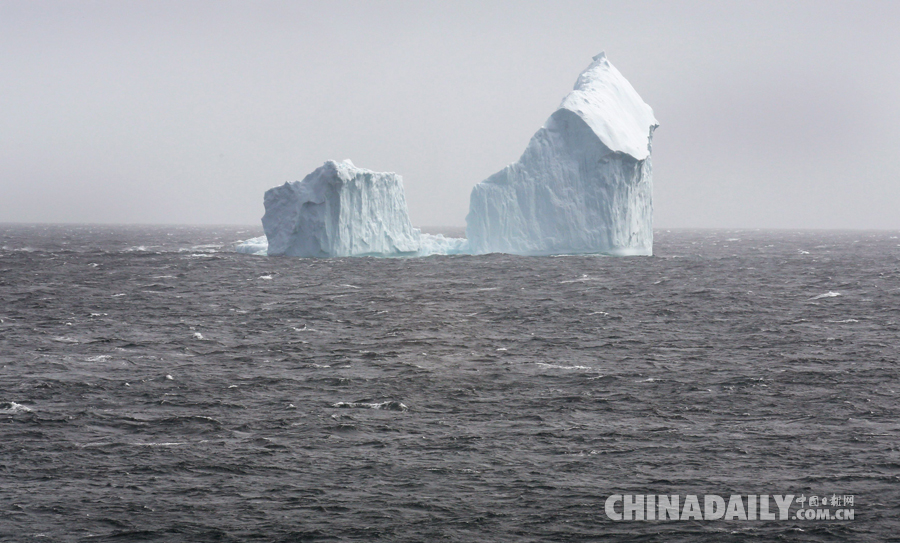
{"type": "Point", "coordinates": [339, 210]}
{"type": "Point", "coordinates": [583, 184]}
{"type": "Point", "coordinates": [610, 106]}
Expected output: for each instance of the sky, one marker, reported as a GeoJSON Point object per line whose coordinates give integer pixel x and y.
{"type": "Point", "coordinates": [772, 114]}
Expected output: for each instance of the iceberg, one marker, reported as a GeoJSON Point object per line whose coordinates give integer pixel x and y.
{"type": "Point", "coordinates": [339, 210]}
{"type": "Point", "coordinates": [583, 184]}
{"type": "Point", "coordinates": [342, 210]}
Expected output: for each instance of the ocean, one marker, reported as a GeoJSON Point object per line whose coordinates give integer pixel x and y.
{"type": "Point", "coordinates": [157, 386]}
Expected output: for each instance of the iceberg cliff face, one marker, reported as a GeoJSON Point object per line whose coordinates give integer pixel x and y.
{"type": "Point", "coordinates": [583, 184]}
{"type": "Point", "coordinates": [339, 210]}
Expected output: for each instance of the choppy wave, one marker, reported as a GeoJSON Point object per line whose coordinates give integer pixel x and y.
{"type": "Point", "coordinates": [388, 405]}
{"type": "Point", "coordinates": [155, 395]}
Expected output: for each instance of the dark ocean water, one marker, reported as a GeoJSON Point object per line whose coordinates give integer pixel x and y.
{"type": "Point", "coordinates": [155, 386]}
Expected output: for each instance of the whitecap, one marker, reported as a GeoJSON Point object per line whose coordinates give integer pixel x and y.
{"type": "Point", "coordinates": [13, 408]}
{"type": "Point", "coordinates": [560, 367]}
{"type": "Point", "coordinates": [390, 405]}
{"type": "Point", "coordinates": [581, 279]}
{"type": "Point", "coordinates": [828, 294]}
{"type": "Point", "coordinates": [208, 248]}
{"type": "Point", "coordinates": [99, 358]}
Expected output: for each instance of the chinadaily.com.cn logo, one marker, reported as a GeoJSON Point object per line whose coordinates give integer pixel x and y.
{"type": "Point", "coordinates": [622, 507]}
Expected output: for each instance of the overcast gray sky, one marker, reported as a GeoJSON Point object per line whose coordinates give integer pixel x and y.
{"type": "Point", "coordinates": [772, 114]}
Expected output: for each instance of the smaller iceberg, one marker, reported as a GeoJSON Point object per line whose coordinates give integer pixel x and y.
{"type": "Point", "coordinates": [339, 210]}
{"type": "Point", "coordinates": [342, 210]}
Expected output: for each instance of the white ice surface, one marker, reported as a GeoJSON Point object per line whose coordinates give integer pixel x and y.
{"type": "Point", "coordinates": [610, 106]}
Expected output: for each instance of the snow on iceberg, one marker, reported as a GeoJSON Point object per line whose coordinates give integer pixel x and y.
{"type": "Point", "coordinates": [342, 210]}
{"type": "Point", "coordinates": [583, 184]}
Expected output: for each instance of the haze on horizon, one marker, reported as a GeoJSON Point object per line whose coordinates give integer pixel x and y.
{"type": "Point", "coordinates": [772, 114]}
